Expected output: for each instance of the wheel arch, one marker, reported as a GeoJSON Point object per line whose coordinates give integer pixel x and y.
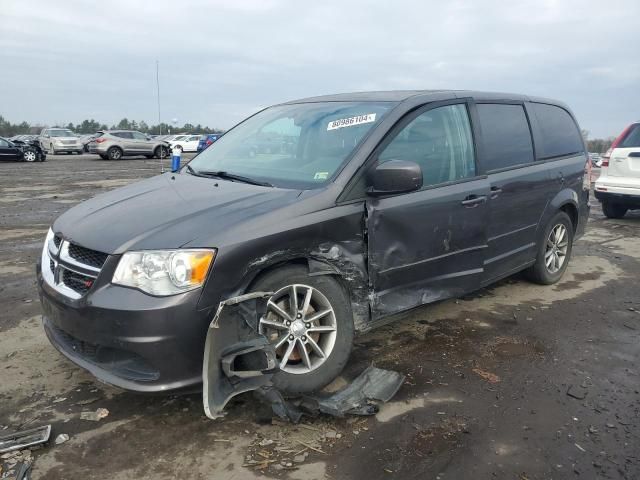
{"type": "Point", "coordinates": [566, 201]}
{"type": "Point", "coordinates": [347, 274]}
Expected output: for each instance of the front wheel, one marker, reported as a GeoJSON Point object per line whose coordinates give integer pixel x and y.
{"type": "Point", "coordinates": [114, 153]}
{"type": "Point", "coordinates": [161, 152]}
{"type": "Point", "coordinates": [554, 251]}
{"type": "Point", "coordinates": [613, 210]}
{"type": "Point", "coordinates": [30, 156]}
{"type": "Point", "coordinates": [309, 321]}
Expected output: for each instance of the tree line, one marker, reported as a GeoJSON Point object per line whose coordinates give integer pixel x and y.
{"type": "Point", "coordinates": [8, 129]}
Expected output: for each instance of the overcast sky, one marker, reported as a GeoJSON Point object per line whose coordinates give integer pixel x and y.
{"type": "Point", "coordinates": [66, 60]}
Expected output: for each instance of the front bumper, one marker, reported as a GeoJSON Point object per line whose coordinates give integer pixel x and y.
{"type": "Point", "coordinates": [127, 338]}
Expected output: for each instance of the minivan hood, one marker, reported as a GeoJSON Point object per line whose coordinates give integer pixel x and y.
{"type": "Point", "coordinates": [167, 211]}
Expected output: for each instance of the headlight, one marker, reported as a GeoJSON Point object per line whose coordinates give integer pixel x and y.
{"type": "Point", "coordinates": [58, 142]}
{"type": "Point", "coordinates": [164, 272]}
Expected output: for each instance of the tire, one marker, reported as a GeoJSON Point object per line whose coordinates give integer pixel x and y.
{"type": "Point", "coordinates": [540, 272]}
{"type": "Point", "coordinates": [30, 155]}
{"type": "Point", "coordinates": [161, 152]}
{"type": "Point", "coordinates": [613, 210]}
{"type": "Point", "coordinates": [327, 294]}
{"type": "Point", "coordinates": [114, 153]}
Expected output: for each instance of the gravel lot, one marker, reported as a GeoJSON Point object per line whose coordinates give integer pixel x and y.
{"type": "Point", "coordinates": [517, 381]}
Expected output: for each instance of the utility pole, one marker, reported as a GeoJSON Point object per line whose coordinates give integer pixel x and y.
{"type": "Point", "coordinates": [159, 116]}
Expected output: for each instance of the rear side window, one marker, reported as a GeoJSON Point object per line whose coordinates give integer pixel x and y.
{"type": "Point", "coordinates": [560, 134]}
{"type": "Point", "coordinates": [505, 135]}
{"type": "Point", "coordinates": [123, 134]}
{"type": "Point", "coordinates": [632, 139]}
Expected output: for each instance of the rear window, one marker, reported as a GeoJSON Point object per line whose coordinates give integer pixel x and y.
{"type": "Point", "coordinates": [560, 134]}
{"type": "Point", "coordinates": [505, 135]}
{"type": "Point", "coordinates": [632, 139]}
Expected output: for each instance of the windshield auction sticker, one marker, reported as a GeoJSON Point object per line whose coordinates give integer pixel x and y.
{"type": "Point", "coordinates": [351, 121]}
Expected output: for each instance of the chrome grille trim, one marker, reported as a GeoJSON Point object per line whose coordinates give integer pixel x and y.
{"type": "Point", "coordinates": [58, 257]}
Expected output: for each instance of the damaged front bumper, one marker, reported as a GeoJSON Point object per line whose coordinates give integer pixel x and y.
{"type": "Point", "coordinates": [238, 359]}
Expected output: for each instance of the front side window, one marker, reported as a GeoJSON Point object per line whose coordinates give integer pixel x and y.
{"type": "Point", "coordinates": [3, 143]}
{"type": "Point", "coordinates": [440, 141]}
{"type": "Point", "coordinates": [139, 136]}
{"type": "Point", "coordinates": [505, 135]}
{"type": "Point", "coordinates": [293, 146]}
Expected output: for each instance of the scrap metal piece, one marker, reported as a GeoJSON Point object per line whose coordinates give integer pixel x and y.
{"type": "Point", "coordinates": [24, 438]}
{"type": "Point", "coordinates": [360, 397]}
{"type": "Point", "coordinates": [237, 358]}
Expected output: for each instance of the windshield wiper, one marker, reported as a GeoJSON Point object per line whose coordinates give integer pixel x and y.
{"type": "Point", "coordinates": [233, 177]}
{"type": "Point", "coordinates": [193, 172]}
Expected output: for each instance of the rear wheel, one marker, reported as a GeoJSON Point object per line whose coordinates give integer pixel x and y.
{"type": "Point", "coordinates": [309, 321]}
{"type": "Point", "coordinates": [114, 153]}
{"type": "Point", "coordinates": [613, 210]}
{"type": "Point", "coordinates": [554, 251]}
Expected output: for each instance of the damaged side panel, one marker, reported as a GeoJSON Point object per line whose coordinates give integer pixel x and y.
{"type": "Point", "coordinates": [425, 246]}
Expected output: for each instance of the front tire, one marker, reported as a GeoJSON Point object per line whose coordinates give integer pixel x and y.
{"type": "Point", "coordinates": [613, 210]}
{"type": "Point", "coordinates": [161, 152]}
{"type": "Point", "coordinates": [30, 156]}
{"type": "Point", "coordinates": [114, 153]}
{"type": "Point", "coordinates": [309, 320]}
{"type": "Point", "coordinates": [554, 251]}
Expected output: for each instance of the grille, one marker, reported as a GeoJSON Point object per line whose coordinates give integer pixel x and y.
{"type": "Point", "coordinates": [77, 282]}
{"type": "Point", "coordinates": [68, 142]}
{"type": "Point", "coordinates": [86, 256]}
{"type": "Point", "coordinates": [57, 240]}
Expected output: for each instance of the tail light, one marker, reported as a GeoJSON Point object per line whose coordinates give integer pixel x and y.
{"type": "Point", "coordinates": [100, 140]}
{"type": "Point", "coordinates": [209, 141]}
{"type": "Point", "coordinates": [614, 145]}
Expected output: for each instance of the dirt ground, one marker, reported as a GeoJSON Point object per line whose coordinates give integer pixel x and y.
{"type": "Point", "coordinates": [517, 381]}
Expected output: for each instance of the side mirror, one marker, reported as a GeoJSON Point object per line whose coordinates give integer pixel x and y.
{"type": "Point", "coordinates": [394, 176]}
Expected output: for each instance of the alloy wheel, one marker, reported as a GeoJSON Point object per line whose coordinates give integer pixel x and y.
{"type": "Point", "coordinates": [556, 249]}
{"type": "Point", "coordinates": [301, 324]}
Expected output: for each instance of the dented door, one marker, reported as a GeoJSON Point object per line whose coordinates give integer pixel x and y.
{"type": "Point", "coordinates": [427, 245]}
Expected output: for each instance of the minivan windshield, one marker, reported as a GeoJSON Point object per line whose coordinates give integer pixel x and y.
{"type": "Point", "coordinates": [292, 146]}
{"type": "Point", "coordinates": [61, 132]}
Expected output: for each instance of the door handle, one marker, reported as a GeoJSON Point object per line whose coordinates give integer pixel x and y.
{"type": "Point", "coordinates": [495, 192]}
{"type": "Point", "coordinates": [473, 201]}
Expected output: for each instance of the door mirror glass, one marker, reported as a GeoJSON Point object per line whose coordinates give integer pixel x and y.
{"type": "Point", "coordinates": [395, 176]}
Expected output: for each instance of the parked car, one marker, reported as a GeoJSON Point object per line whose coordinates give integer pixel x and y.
{"type": "Point", "coordinates": [58, 140]}
{"type": "Point", "coordinates": [20, 151]}
{"type": "Point", "coordinates": [206, 140]}
{"type": "Point", "coordinates": [185, 143]}
{"type": "Point", "coordinates": [115, 144]}
{"type": "Point", "coordinates": [618, 187]}
{"type": "Point", "coordinates": [390, 200]}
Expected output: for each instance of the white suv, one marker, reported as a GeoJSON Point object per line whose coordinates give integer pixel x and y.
{"type": "Point", "coordinates": [618, 187]}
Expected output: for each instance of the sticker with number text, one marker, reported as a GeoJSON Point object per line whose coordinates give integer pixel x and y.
{"type": "Point", "coordinates": [351, 121]}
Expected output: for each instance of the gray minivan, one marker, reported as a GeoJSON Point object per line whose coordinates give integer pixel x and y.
{"type": "Point", "coordinates": [362, 206]}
